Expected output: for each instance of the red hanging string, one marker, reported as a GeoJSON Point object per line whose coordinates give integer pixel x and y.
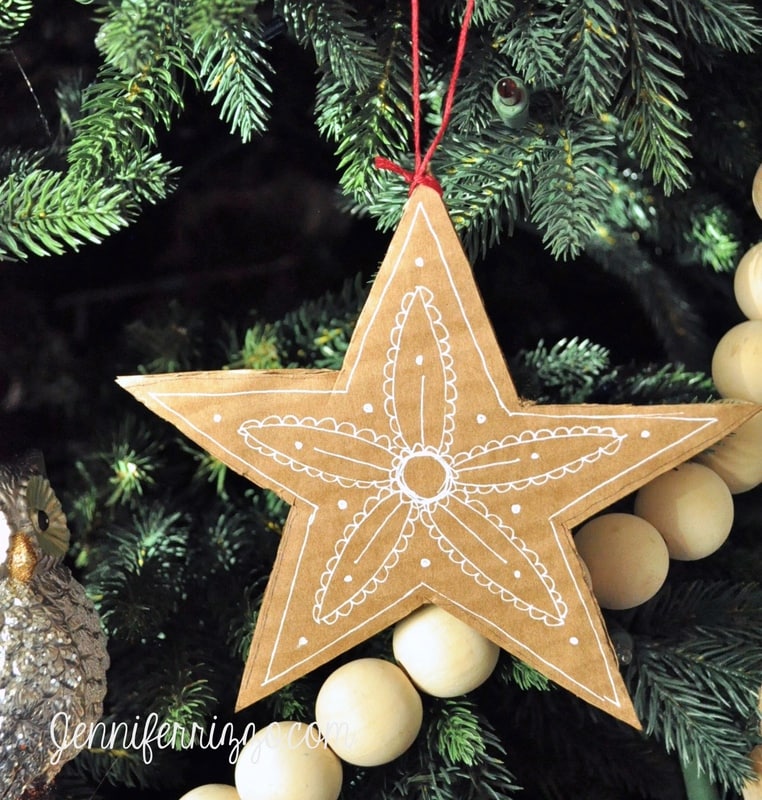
{"type": "Point", "coordinates": [421, 174]}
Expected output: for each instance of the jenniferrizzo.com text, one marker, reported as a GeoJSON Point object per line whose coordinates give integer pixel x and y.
{"type": "Point", "coordinates": [151, 734]}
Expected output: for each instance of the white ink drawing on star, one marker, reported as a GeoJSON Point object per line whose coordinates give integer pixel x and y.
{"type": "Point", "coordinates": [417, 486]}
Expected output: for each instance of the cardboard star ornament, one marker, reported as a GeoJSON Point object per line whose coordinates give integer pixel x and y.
{"type": "Point", "coordinates": [416, 475]}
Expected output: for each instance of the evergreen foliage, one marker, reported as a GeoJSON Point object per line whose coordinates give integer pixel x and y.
{"type": "Point", "coordinates": [176, 555]}
{"type": "Point", "coordinates": [696, 673]}
{"type": "Point", "coordinates": [605, 76]}
{"type": "Point", "coordinates": [644, 121]}
{"type": "Point", "coordinates": [13, 17]}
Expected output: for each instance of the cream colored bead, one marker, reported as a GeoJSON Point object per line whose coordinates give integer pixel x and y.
{"type": "Point", "coordinates": [212, 791]}
{"type": "Point", "coordinates": [626, 557]}
{"type": "Point", "coordinates": [369, 712]}
{"type": "Point", "coordinates": [287, 761]}
{"type": "Point", "coordinates": [752, 789]}
{"type": "Point", "coordinates": [756, 191]}
{"type": "Point", "coordinates": [443, 656]}
{"type": "Point", "coordinates": [737, 458]}
{"type": "Point", "coordinates": [737, 362]}
{"type": "Point", "coordinates": [747, 283]}
{"type": "Point", "coordinates": [691, 507]}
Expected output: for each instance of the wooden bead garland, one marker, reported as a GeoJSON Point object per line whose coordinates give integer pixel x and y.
{"type": "Point", "coordinates": [752, 789]}
{"type": "Point", "coordinates": [737, 370]}
{"type": "Point", "coordinates": [212, 791]}
{"type": "Point", "coordinates": [756, 191]}
{"type": "Point", "coordinates": [691, 507]}
{"type": "Point", "coordinates": [747, 283]}
{"type": "Point", "coordinates": [737, 459]}
{"type": "Point", "coordinates": [369, 712]}
{"type": "Point", "coordinates": [737, 362]}
{"type": "Point", "coordinates": [626, 557]}
{"type": "Point", "coordinates": [443, 656]}
{"type": "Point", "coordinates": [286, 761]}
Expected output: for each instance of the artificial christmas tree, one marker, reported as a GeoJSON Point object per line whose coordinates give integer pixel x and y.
{"type": "Point", "coordinates": [604, 221]}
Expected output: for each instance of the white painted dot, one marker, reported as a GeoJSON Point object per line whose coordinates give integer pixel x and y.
{"type": "Point", "coordinates": [419, 360]}
{"type": "Point", "coordinates": [516, 508]}
{"type": "Point", "coordinates": [534, 456]}
{"type": "Point", "coordinates": [342, 504]}
{"type": "Point", "coordinates": [302, 641]}
{"type": "Point", "coordinates": [217, 417]}
{"type": "Point", "coordinates": [425, 562]}
{"type": "Point", "coordinates": [645, 434]}
{"type": "Point", "coordinates": [419, 262]}
{"type": "Point", "coordinates": [368, 408]}
{"type": "Point", "coordinates": [298, 445]}
{"type": "Point", "coordinates": [481, 418]}
{"type": "Point", "coordinates": [347, 579]}
{"type": "Point", "coordinates": [574, 640]}
{"type": "Point", "coordinates": [517, 573]}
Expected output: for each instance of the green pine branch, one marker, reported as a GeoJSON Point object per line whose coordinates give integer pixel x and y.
{"type": "Point", "coordinates": [458, 756]}
{"type": "Point", "coordinates": [657, 384]}
{"type": "Point", "coordinates": [150, 51]}
{"type": "Point", "coordinates": [620, 62]}
{"type": "Point", "coordinates": [227, 39]}
{"type": "Point", "coordinates": [46, 212]}
{"type": "Point", "coordinates": [184, 706]}
{"type": "Point", "coordinates": [488, 181]}
{"type": "Point", "coordinates": [595, 59]}
{"type": "Point", "coordinates": [341, 43]}
{"type": "Point", "coordinates": [485, 11]}
{"type": "Point", "coordinates": [458, 729]}
{"type": "Point", "coordinates": [376, 121]}
{"type": "Point", "coordinates": [14, 14]}
{"type": "Point", "coordinates": [570, 197]}
{"type": "Point", "coordinates": [137, 38]}
{"type": "Point", "coordinates": [317, 333]}
{"type": "Point", "coordinates": [569, 371]}
{"type": "Point", "coordinates": [652, 102]}
{"type": "Point", "coordinates": [532, 39]}
{"type": "Point", "coordinates": [728, 24]}
{"type": "Point", "coordinates": [696, 673]}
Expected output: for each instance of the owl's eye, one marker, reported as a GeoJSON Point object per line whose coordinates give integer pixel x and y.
{"type": "Point", "coordinates": [47, 516]}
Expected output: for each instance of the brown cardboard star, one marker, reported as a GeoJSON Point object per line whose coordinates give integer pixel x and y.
{"type": "Point", "coordinates": [417, 475]}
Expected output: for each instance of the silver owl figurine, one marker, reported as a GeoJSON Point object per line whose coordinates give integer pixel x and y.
{"type": "Point", "coordinates": [53, 657]}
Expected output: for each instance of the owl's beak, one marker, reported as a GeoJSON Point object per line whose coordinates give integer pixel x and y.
{"type": "Point", "coordinates": [22, 558]}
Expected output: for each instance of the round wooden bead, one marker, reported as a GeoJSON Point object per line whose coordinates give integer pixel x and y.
{"type": "Point", "coordinates": [691, 507]}
{"type": "Point", "coordinates": [737, 458]}
{"type": "Point", "coordinates": [442, 655]}
{"type": "Point", "coordinates": [747, 283]}
{"type": "Point", "coordinates": [752, 789]}
{"type": "Point", "coordinates": [756, 191]}
{"type": "Point", "coordinates": [626, 557]}
{"type": "Point", "coordinates": [288, 761]}
{"type": "Point", "coordinates": [369, 712]}
{"type": "Point", "coordinates": [212, 791]}
{"type": "Point", "coordinates": [737, 362]}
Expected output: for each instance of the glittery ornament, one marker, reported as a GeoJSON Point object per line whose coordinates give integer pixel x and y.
{"type": "Point", "coordinates": [53, 657]}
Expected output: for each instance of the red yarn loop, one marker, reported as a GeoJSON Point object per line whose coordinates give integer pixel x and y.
{"type": "Point", "coordinates": [421, 175]}
{"type": "Point", "coordinates": [413, 178]}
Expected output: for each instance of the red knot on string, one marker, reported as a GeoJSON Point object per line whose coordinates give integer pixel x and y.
{"type": "Point", "coordinates": [413, 178]}
{"type": "Point", "coordinates": [421, 175]}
